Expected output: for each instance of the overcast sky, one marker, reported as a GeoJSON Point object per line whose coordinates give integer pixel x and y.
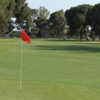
{"type": "Point", "coordinates": [54, 5]}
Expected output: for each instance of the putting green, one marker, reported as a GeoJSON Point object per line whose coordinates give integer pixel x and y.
{"type": "Point", "coordinates": [52, 70]}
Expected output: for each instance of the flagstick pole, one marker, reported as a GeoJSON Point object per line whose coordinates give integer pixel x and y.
{"type": "Point", "coordinates": [21, 64]}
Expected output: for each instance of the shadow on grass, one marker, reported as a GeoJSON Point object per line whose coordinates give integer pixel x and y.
{"type": "Point", "coordinates": [82, 41]}
{"type": "Point", "coordinates": [69, 48]}
{"type": "Point", "coordinates": [57, 40]}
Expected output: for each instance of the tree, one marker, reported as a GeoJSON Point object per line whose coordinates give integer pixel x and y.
{"type": "Point", "coordinates": [58, 22]}
{"type": "Point", "coordinates": [93, 18]}
{"type": "Point", "coordinates": [6, 12]}
{"type": "Point", "coordinates": [34, 14]}
{"type": "Point", "coordinates": [76, 18]}
{"type": "Point", "coordinates": [41, 20]}
{"type": "Point", "coordinates": [23, 15]}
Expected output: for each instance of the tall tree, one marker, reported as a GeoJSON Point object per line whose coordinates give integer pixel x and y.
{"type": "Point", "coordinates": [93, 19]}
{"type": "Point", "coordinates": [41, 20]}
{"type": "Point", "coordinates": [6, 12]}
{"type": "Point", "coordinates": [23, 14]}
{"type": "Point", "coordinates": [58, 22]}
{"type": "Point", "coordinates": [76, 18]}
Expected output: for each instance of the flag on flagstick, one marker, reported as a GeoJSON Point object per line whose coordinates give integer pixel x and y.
{"type": "Point", "coordinates": [25, 37]}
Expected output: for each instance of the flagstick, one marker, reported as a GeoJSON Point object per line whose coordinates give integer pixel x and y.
{"type": "Point", "coordinates": [21, 64]}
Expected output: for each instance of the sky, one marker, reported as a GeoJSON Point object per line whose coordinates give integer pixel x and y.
{"type": "Point", "coordinates": [54, 5]}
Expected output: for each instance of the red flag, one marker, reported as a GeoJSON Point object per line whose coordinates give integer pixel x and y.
{"type": "Point", "coordinates": [25, 37]}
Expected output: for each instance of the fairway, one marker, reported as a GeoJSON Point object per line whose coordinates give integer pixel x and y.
{"type": "Point", "coordinates": [52, 70]}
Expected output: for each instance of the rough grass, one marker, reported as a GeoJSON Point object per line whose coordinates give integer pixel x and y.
{"type": "Point", "coordinates": [53, 70]}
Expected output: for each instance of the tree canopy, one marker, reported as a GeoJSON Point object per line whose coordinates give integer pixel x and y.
{"type": "Point", "coordinates": [80, 21]}
{"type": "Point", "coordinates": [58, 22]}
{"type": "Point", "coordinates": [77, 19]}
{"type": "Point", "coordinates": [6, 12]}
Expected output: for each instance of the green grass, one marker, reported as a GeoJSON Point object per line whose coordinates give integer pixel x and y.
{"type": "Point", "coordinates": [53, 70]}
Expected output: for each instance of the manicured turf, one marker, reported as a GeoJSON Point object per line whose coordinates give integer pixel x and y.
{"type": "Point", "coordinates": [53, 70]}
